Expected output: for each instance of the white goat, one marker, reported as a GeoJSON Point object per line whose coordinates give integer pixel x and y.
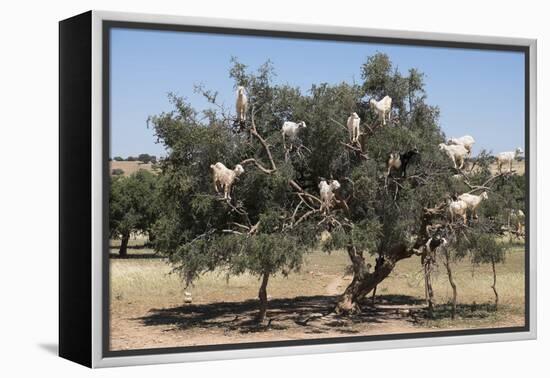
{"type": "Point", "coordinates": [382, 108]}
{"type": "Point", "coordinates": [353, 127]}
{"type": "Point", "coordinates": [508, 158]}
{"type": "Point", "coordinates": [458, 208]}
{"type": "Point", "coordinates": [225, 177]}
{"type": "Point", "coordinates": [242, 104]}
{"type": "Point", "coordinates": [326, 192]}
{"type": "Point", "coordinates": [290, 130]}
{"type": "Point", "coordinates": [473, 201]}
{"type": "Point", "coordinates": [517, 219]}
{"type": "Point", "coordinates": [456, 153]}
{"type": "Point", "coordinates": [467, 141]}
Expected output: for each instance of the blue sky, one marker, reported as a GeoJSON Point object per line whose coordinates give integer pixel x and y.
{"type": "Point", "coordinates": [480, 93]}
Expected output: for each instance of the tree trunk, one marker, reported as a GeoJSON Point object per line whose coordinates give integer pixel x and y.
{"type": "Point", "coordinates": [363, 281]}
{"type": "Point", "coordinates": [494, 282]}
{"type": "Point", "coordinates": [262, 295]}
{"type": "Point", "coordinates": [123, 251]}
{"type": "Point", "coordinates": [451, 281]}
{"type": "Point", "coordinates": [428, 285]}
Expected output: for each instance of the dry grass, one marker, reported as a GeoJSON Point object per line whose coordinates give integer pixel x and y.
{"type": "Point", "coordinates": [150, 281]}
{"type": "Point", "coordinates": [129, 167]}
{"type": "Point", "coordinates": [148, 310]}
{"type": "Point", "coordinates": [517, 166]}
{"type": "Point", "coordinates": [473, 282]}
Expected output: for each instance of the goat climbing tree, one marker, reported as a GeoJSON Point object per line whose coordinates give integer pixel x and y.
{"type": "Point", "coordinates": [274, 217]}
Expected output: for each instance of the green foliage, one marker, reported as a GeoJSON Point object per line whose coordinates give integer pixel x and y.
{"type": "Point", "coordinates": [146, 158]}
{"type": "Point", "coordinates": [200, 232]}
{"type": "Point", "coordinates": [118, 158]}
{"type": "Point", "coordinates": [117, 172]}
{"type": "Point", "coordinates": [132, 203]}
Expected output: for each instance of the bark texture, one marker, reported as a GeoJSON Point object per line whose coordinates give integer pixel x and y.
{"type": "Point", "coordinates": [364, 282]}
{"type": "Point", "coordinates": [451, 281]}
{"type": "Point", "coordinates": [494, 286]}
{"type": "Point", "coordinates": [123, 251]}
{"type": "Point", "coordinates": [262, 295]}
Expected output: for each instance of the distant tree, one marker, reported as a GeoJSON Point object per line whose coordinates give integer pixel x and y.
{"type": "Point", "coordinates": [118, 158]}
{"type": "Point", "coordinates": [131, 158]}
{"type": "Point", "coordinates": [146, 158]}
{"type": "Point", "coordinates": [117, 172]}
{"type": "Point", "coordinates": [132, 206]}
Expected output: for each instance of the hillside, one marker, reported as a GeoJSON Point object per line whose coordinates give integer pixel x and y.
{"type": "Point", "coordinates": [129, 167]}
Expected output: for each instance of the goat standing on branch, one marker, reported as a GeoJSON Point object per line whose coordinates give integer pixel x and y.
{"type": "Point", "coordinates": [399, 161]}
{"type": "Point", "coordinates": [467, 141]}
{"type": "Point", "coordinates": [382, 108]}
{"type": "Point", "coordinates": [458, 208]}
{"type": "Point", "coordinates": [508, 158]}
{"type": "Point", "coordinates": [225, 177]}
{"type": "Point", "coordinates": [472, 201]}
{"type": "Point", "coordinates": [241, 105]}
{"type": "Point", "coordinates": [290, 130]}
{"type": "Point", "coordinates": [326, 192]}
{"type": "Point", "coordinates": [353, 127]}
{"type": "Point", "coordinates": [456, 152]}
{"type": "Point", "coordinates": [516, 222]}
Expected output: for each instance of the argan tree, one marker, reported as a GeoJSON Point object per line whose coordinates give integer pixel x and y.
{"type": "Point", "coordinates": [275, 215]}
{"type": "Point", "coordinates": [132, 206]}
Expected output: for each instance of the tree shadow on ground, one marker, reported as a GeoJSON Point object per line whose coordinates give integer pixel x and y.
{"type": "Point", "coordinates": [145, 255]}
{"type": "Point", "coordinates": [313, 312]}
{"type": "Point", "coordinates": [464, 311]}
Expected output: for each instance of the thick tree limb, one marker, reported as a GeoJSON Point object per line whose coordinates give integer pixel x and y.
{"type": "Point", "coordinates": [305, 216]}
{"type": "Point", "coordinates": [356, 149]}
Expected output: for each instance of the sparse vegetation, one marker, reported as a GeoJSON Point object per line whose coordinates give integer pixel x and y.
{"type": "Point", "coordinates": [117, 172]}
{"type": "Point", "coordinates": [321, 249]}
{"type": "Point", "coordinates": [147, 301]}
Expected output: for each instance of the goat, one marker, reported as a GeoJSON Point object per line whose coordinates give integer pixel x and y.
{"type": "Point", "coordinates": [400, 161]}
{"type": "Point", "coordinates": [290, 130]}
{"type": "Point", "coordinates": [435, 242]}
{"type": "Point", "coordinates": [353, 127]}
{"type": "Point", "coordinates": [508, 158]}
{"type": "Point", "coordinates": [457, 178]}
{"type": "Point", "coordinates": [473, 201]}
{"type": "Point", "coordinates": [456, 152]}
{"type": "Point", "coordinates": [225, 177]}
{"type": "Point", "coordinates": [458, 208]}
{"type": "Point", "coordinates": [431, 246]}
{"type": "Point", "coordinates": [467, 141]}
{"type": "Point", "coordinates": [326, 192]}
{"type": "Point", "coordinates": [241, 105]}
{"type": "Point", "coordinates": [382, 108]}
{"type": "Point", "coordinates": [517, 219]}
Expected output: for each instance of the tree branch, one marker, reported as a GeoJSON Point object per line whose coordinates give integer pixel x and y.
{"type": "Point", "coordinates": [262, 141]}
{"type": "Point", "coordinates": [258, 165]}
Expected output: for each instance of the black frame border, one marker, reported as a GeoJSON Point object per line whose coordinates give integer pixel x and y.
{"type": "Point", "coordinates": [108, 25]}
{"type": "Point", "coordinates": [75, 189]}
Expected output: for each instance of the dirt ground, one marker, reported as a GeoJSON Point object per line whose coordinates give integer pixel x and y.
{"type": "Point", "coordinates": [147, 309]}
